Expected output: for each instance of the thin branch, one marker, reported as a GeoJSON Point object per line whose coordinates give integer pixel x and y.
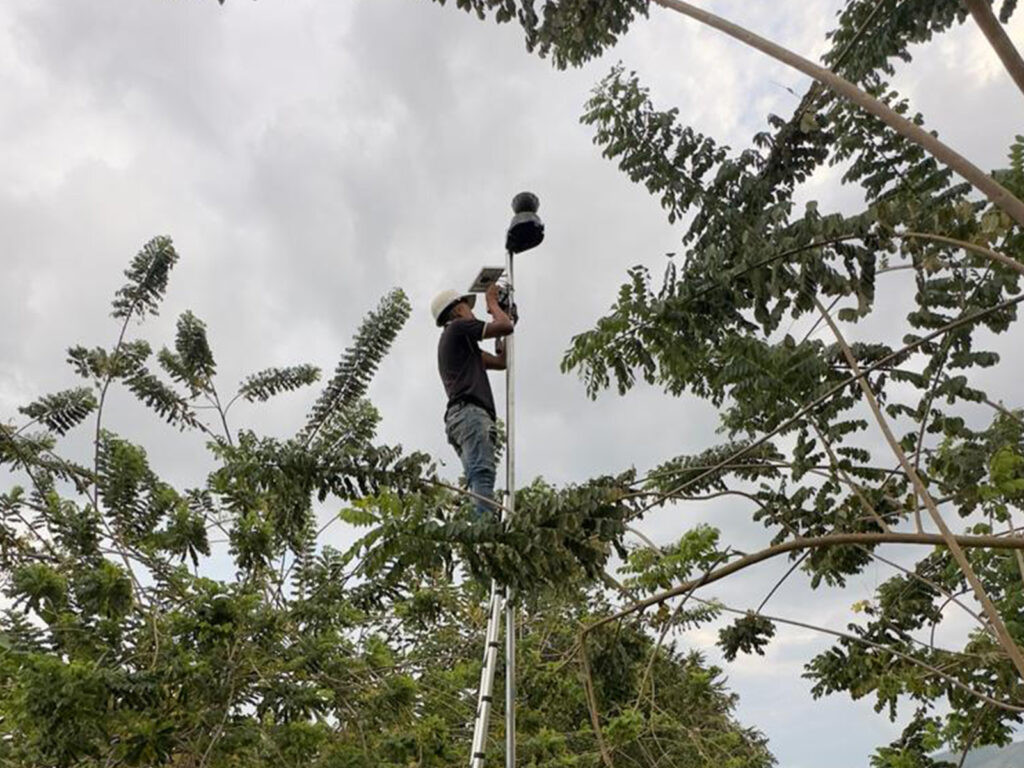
{"type": "Point", "coordinates": [821, 469]}
{"type": "Point", "coordinates": [219, 731]}
{"type": "Point", "coordinates": [1000, 408]}
{"type": "Point", "coordinates": [950, 597]}
{"type": "Point", "coordinates": [966, 245]}
{"type": "Point", "coordinates": [817, 322]}
{"type": "Point", "coordinates": [962, 244]}
{"type": "Point", "coordinates": [643, 537]}
{"type": "Point", "coordinates": [668, 625]}
{"type": "Point", "coordinates": [857, 490]}
{"type": "Point", "coordinates": [782, 581]}
{"type": "Point", "coordinates": [971, 737]}
{"type": "Point", "coordinates": [475, 496]}
{"type": "Point", "coordinates": [231, 402]}
{"type": "Point", "coordinates": [689, 497]}
{"type": "Point", "coordinates": [1006, 640]}
{"type": "Point", "coordinates": [810, 102]}
{"type": "Point", "coordinates": [930, 398]}
{"type": "Point", "coordinates": [595, 718]}
{"type": "Point", "coordinates": [993, 190]}
{"type": "Point", "coordinates": [223, 414]}
{"type": "Point", "coordinates": [832, 540]}
{"type": "Point", "coordinates": [885, 649]}
{"type": "Point", "coordinates": [107, 381]}
{"type": "Point", "coordinates": [925, 418]}
{"type": "Point", "coordinates": [96, 457]}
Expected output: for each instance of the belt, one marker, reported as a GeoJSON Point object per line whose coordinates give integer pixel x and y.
{"type": "Point", "coordinates": [460, 404]}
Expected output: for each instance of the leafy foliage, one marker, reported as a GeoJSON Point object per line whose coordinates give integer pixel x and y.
{"type": "Point", "coordinates": [695, 553]}
{"type": "Point", "coordinates": [749, 634]}
{"type": "Point", "coordinates": [913, 749]}
{"type": "Point", "coordinates": [192, 361]}
{"type": "Point", "coordinates": [147, 279]}
{"type": "Point", "coordinates": [359, 363]}
{"type": "Point", "coordinates": [557, 539]}
{"type": "Point", "coordinates": [572, 32]}
{"type": "Point", "coordinates": [264, 385]}
{"type": "Point", "coordinates": [317, 657]}
{"type": "Point", "coordinates": [62, 411]}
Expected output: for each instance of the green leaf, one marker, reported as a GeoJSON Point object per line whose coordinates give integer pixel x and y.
{"type": "Point", "coordinates": [359, 363]}
{"type": "Point", "coordinates": [748, 634]}
{"type": "Point", "coordinates": [358, 515]}
{"type": "Point", "coordinates": [147, 279]}
{"type": "Point", "coordinates": [62, 411]}
{"type": "Point", "coordinates": [272, 381]}
{"type": "Point", "coordinates": [193, 365]}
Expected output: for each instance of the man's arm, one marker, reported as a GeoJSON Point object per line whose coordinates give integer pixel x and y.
{"type": "Point", "coordinates": [497, 361]}
{"type": "Point", "coordinates": [500, 324]}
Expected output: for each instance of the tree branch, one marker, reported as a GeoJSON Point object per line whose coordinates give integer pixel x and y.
{"type": "Point", "coordinates": [884, 648]}
{"type": "Point", "coordinates": [987, 22]}
{"type": "Point", "coordinates": [832, 540]}
{"type": "Point", "coordinates": [595, 718]}
{"type": "Point", "coordinates": [993, 190]}
{"type": "Point", "coordinates": [950, 597]}
{"type": "Point", "coordinates": [1002, 258]}
{"type": "Point", "coordinates": [1006, 640]}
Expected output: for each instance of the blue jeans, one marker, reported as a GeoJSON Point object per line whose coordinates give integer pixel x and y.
{"type": "Point", "coordinates": [472, 433]}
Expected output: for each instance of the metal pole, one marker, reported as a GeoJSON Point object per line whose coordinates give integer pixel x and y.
{"type": "Point", "coordinates": [510, 484]}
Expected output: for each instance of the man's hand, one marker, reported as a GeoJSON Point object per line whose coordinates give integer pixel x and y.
{"type": "Point", "coordinates": [497, 361]}
{"type": "Point", "coordinates": [500, 325]}
{"type": "Point", "coordinates": [491, 297]}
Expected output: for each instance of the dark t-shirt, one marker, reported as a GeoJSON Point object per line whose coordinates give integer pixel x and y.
{"type": "Point", "coordinates": [461, 366]}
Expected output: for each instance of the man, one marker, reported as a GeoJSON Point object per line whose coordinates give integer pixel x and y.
{"type": "Point", "coordinates": [469, 418]}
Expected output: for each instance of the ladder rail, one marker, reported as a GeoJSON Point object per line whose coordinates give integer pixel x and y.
{"type": "Point", "coordinates": [487, 674]}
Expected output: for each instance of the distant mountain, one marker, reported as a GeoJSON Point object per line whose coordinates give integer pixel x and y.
{"type": "Point", "coordinates": [1011, 756]}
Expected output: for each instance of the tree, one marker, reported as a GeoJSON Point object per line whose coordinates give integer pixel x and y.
{"type": "Point", "coordinates": [737, 321]}
{"type": "Point", "coordinates": [445, 624]}
{"type": "Point", "coordinates": [115, 653]}
{"type": "Point", "coordinates": [123, 643]}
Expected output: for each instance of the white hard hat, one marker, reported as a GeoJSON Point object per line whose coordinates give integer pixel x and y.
{"type": "Point", "coordinates": [445, 299]}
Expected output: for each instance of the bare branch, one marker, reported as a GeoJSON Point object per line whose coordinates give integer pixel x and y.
{"type": "Point", "coordinates": [987, 22]}
{"type": "Point", "coordinates": [832, 540]}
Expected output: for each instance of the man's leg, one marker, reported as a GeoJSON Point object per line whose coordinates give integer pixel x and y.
{"type": "Point", "coordinates": [471, 430]}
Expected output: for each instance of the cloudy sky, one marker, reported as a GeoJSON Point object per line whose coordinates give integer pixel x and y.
{"type": "Point", "coordinates": [307, 156]}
